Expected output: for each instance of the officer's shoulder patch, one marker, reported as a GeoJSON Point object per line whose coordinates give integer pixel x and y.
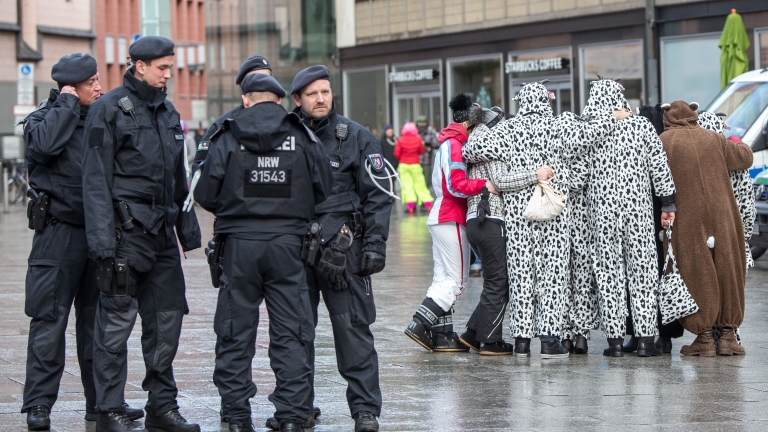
{"type": "Point", "coordinates": [204, 145]}
{"type": "Point", "coordinates": [376, 161]}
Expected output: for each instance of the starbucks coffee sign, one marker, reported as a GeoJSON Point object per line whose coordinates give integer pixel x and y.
{"type": "Point", "coordinates": [537, 65]}
{"type": "Point", "coordinates": [413, 75]}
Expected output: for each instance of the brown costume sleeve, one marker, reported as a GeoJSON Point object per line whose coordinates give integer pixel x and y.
{"type": "Point", "coordinates": [737, 156]}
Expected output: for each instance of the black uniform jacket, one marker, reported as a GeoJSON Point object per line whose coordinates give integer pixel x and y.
{"type": "Point", "coordinates": [136, 156]}
{"type": "Point", "coordinates": [353, 189]}
{"type": "Point", "coordinates": [265, 173]}
{"type": "Point", "coordinates": [54, 138]}
{"type": "Point", "coordinates": [205, 142]}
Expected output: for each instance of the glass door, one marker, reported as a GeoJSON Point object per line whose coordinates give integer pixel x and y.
{"type": "Point", "coordinates": [411, 106]}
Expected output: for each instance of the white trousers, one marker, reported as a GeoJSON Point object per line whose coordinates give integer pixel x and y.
{"type": "Point", "coordinates": [450, 250]}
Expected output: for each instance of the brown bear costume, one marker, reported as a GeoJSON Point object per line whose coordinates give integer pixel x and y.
{"type": "Point", "coordinates": [708, 235]}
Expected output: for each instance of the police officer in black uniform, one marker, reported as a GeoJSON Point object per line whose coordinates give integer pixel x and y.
{"type": "Point", "coordinates": [355, 222]}
{"type": "Point", "coordinates": [262, 180]}
{"type": "Point", "coordinates": [58, 263]}
{"type": "Point", "coordinates": [254, 64]}
{"type": "Point", "coordinates": [134, 186]}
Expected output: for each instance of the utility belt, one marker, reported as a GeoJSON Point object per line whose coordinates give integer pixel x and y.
{"type": "Point", "coordinates": [113, 277]}
{"type": "Point", "coordinates": [215, 254]}
{"type": "Point", "coordinates": [37, 210]}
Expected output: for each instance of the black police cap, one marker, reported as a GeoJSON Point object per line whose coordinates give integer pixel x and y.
{"type": "Point", "coordinates": [251, 64]}
{"type": "Point", "coordinates": [150, 47]}
{"type": "Point", "coordinates": [308, 76]}
{"type": "Point", "coordinates": [261, 83]}
{"type": "Point", "coordinates": [74, 68]}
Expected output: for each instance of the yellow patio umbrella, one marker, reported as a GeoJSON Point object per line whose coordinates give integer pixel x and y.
{"type": "Point", "coordinates": [733, 44]}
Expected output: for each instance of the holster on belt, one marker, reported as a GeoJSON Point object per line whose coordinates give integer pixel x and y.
{"type": "Point", "coordinates": [113, 277]}
{"type": "Point", "coordinates": [356, 224]}
{"type": "Point", "coordinates": [311, 243]}
{"type": "Point", "coordinates": [37, 209]}
{"type": "Point", "coordinates": [215, 254]}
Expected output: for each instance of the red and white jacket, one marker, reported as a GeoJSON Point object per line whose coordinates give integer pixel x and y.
{"type": "Point", "coordinates": [450, 171]}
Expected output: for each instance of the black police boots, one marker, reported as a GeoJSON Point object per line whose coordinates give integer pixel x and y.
{"type": "Point", "coordinates": [91, 414]}
{"type": "Point", "coordinates": [171, 421]}
{"type": "Point", "coordinates": [39, 418]}
{"type": "Point", "coordinates": [365, 421]}
{"type": "Point", "coordinates": [522, 347]}
{"type": "Point", "coordinates": [290, 426]}
{"type": "Point", "coordinates": [245, 427]}
{"type": "Point", "coordinates": [646, 347]}
{"type": "Point", "coordinates": [116, 422]}
{"type": "Point", "coordinates": [615, 348]}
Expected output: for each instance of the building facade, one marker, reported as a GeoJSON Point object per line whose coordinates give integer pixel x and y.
{"type": "Point", "coordinates": [410, 56]}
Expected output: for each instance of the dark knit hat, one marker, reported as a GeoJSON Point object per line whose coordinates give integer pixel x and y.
{"type": "Point", "coordinates": [261, 83]}
{"type": "Point", "coordinates": [251, 64]}
{"type": "Point", "coordinates": [308, 76]}
{"type": "Point", "coordinates": [460, 105]}
{"type": "Point", "coordinates": [150, 47]}
{"type": "Point", "coordinates": [74, 68]}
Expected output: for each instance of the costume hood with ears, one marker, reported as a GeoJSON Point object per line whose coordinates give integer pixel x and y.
{"type": "Point", "coordinates": [655, 115]}
{"type": "Point", "coordinates": [712, 121]}
{"type": "Point", "coordinates": [534, 98]}
{"type": "Point", "coordinates": [605, 96]}
{"type": "Point", "coordinates": [680, 114]}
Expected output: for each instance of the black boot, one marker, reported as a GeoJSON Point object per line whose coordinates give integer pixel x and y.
{"type": "Point", "coordinates": [365, 421]}
{"type": "Point", "coordinates": [426, 316]}
{"type": "Point", "coordinates": [39, 418]}
{"type": "Point", "coordinates": [170, 421]}
{"type": "Point", "coordinates": [245, 426]}
{"type": "Point", "coordinates": [116, 422]}
{"type": "Point", "coordinates": [91, 414]}
{"type": "Point", "coordinates": [581, 346]}
{"type": "Point", "coordinates": [290, 426]}
{"type": "Point", "coordinates": [444, 339]}
{"type": "Point", "coordinates": [614, 348]}
{"type": "Point", "coordinates": [568, 345]}
{"type": "Point", "coordinates": [274, 424]}
{"type": "Point", "coordinates": [522, 347]}
{"type": "Point", "coordinates": [646, 347]}
{"type": "Point", "coordinates": [630, 346]}
{"type": "Point", "coordinates": [419, 333]}
{"type": "Point", "coordinates": [664, 344]}
{"type": "Point", "coordinates": [496, 348]}
{"type": "Point", "coordinates": [468, 339]}
{"type": "Point", "coordinates": [551, 348]}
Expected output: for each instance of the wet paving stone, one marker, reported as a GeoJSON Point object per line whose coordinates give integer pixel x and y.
{"type": "Point", "coordinates": [422, 391]}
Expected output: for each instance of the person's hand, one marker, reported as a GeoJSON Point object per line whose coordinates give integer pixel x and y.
{"type": "Point", "coordinates": [68, 90]}
{"type": "Point", "coordinates": [491, 188]}
{"type": "Point", "coordinates": [621, 114]}
{"type": "Point", "coordinates": [373, 262]}
{"type": "Point", "coordinates": [667, 218]}
{"type": "Point", "coordinates": [544, 173]}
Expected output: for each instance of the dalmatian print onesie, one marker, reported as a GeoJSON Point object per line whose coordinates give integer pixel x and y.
{"type": "Point", "coordinates": [620, 210]}
{"type": "Point", "coordinates": [742, 185]}
{"type": "Point", "coordinates": [537, 251]}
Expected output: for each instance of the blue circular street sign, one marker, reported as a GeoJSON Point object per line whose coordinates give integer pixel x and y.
{"type": "Point", "coordinates": [26, 70]}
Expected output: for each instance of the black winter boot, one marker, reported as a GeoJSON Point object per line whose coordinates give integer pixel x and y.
{"type": "Point", "coordinates": [365, 421]}
{"type": "Point", "coordinates": [444, 339]}
{"type": "Point", "coordinates": [646, 347]}
{"type": "Point", "coordinates": [581, 346]}
{"type": "Point", "coordinates": [568, 345]}
{"type": "Point", "coordinates": [522, 347]}
{"type": "Point", "coordinates": [614, 348]}
{"type": "Point", "coordinates": [630, 346]}
{"type": "Point", "coordinates": [420, 329]}
{"type": "Point", "coordinates": [39, 418]}
{"type": "Point", "coordinates": [664, 344]}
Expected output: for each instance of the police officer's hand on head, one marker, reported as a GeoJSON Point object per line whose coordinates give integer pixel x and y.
{"type": "Point", "coordinates": [373, 262]}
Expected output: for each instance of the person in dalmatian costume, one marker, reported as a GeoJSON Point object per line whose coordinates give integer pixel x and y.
{"type": "Point", "coordinates": [537, 251]}
{"type": "Point", "coordinates": [620, 211]}
{"type": "Point", "coordinates": [432, 325]}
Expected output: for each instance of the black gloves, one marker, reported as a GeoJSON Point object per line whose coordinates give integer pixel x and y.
{"type": "Point", "coordinates": [484, 206]}
{"type": "Point", "coordinates": [373, 262]}
{"type": "Point", "coordinates": [333, 267]}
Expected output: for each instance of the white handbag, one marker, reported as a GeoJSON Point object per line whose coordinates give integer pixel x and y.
{"type": "Point", "coordinates": [675, 301]}
{"type": "Point", "coordinates": [545, 204]}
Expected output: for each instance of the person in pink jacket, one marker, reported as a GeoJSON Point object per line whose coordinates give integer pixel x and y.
{"type": "Point", "coordinates": [407, 150]}
{"type": "Point", "coordinates": [432, 325]}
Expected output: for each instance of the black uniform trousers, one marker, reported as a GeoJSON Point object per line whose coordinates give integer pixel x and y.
{"type": "Point", "coordinates": [489, 242]}
{"type": "Point", "coordinates": [159, 297]}
{"type": "Point", "coordinates": [352, 311]}
{"type": "Point", "coordinates": [255, 269]}
{"type": "Point", "coordinates": [58, 274]}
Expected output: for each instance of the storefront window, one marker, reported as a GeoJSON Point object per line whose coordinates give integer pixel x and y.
{"type": "Point", "coordinates": [478, 77]}
{"type": "Point", "coordinates": [416, 92]}
{"type": "Point", "coordinates": [532, 66]}
{"type": "Point", "coordinates": [761, 47]}
{"type": "Point", "coordinates": [690, 68]}
{"type": "Point", "coordinates": [365, 97]}
{"type": "Point", "coordinates": [620, 60]}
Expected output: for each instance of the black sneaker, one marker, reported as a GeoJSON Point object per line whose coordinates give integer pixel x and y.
{"type": "Point", "coordinates": [91, 414]}
{"type": "Point", "coordinates": [170, 421]}
{"type": "Point", "coordinates": [117, 422]}
{"type": "Point", "coordinates": [522, 347]}
{"type": "Point", "coordinates": [447, 342]}
{"type": "Point", "coordinates": [580, 346]}
{"type": "Point", "coordinates": [468, 339]}
{"type": "Point", "coordinates": [646, 347]}
{"type": "Point", "coordinates": [39, 418]}
{"type": "Point", "coordinates": [365, 421]}
{"type": "Point", "coordinates": [420, 334]}
{"type": "Point", "coordinates": [553, 350]}
{"type": "Point", "coordinates": [496, 349]}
